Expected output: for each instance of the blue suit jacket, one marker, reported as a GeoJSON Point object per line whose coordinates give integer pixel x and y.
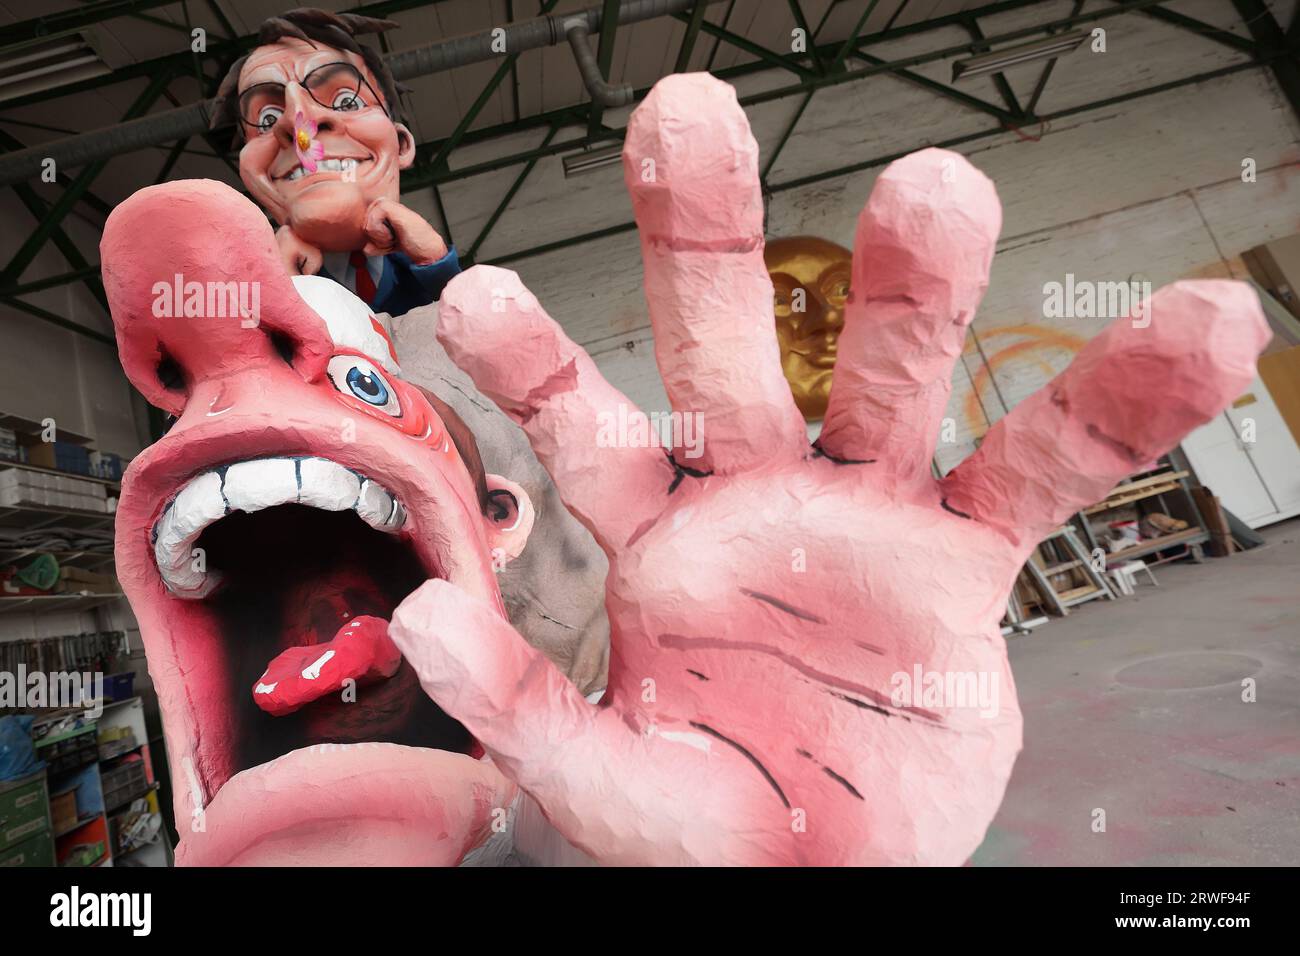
{"type": "Point", "coordinates": [405, 286]}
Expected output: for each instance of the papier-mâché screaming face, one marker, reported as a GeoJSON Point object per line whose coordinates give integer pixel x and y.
{"type": "Point", "coordinates": [304, 490]}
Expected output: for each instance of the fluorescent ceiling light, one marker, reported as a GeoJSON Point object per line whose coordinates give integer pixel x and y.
{"type": "Point", "coordinates": [589, 159]}
{"type": "Point", "coordinates": [49, 64]}
{"type": "Point", "coordinates": [1001, 59]}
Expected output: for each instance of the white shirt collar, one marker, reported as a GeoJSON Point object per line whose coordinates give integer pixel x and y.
{"type": "Point", "coordinates": [336, 264]}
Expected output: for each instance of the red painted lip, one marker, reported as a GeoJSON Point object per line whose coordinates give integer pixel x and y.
{"type": "Point", "coordinates": [398, 806]}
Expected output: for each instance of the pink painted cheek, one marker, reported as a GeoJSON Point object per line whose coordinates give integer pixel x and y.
{"type": "Point", "coordinates": [418, 421]}
{"type": "Point", "coordinates": [258, 154]}
{"type": "Point", "coordinates": [374, 132]}
{"type": "Point", "coordinates": [372, 129]}
{"type": "Point", "coordinates": [256, 177]}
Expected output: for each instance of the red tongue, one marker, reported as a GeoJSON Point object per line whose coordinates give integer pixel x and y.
{"type": "Point", "coordinates": [361, 651]}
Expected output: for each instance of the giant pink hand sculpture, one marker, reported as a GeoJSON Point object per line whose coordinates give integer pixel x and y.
{"type": "Point", "coordinates": [762, 602]}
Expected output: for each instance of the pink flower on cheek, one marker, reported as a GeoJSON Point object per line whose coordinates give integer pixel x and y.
{"type": "Point", "coordinates": [305, 144]}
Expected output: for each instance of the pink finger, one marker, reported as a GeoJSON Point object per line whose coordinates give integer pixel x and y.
{"type": "Point", "coordinates": [691, 166]}
{"type": "Point", "coordinates": [602, 783]}
{"type": "Point", "coordinates": [921, 259]}
{"type": "Point", "coordinates": [495, 329]}
{"type": "Point", "coordinates": [1132, 394]}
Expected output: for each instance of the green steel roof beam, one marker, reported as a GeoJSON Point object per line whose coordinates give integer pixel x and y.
{"type": "Point", "coordinates": [688, 39]}
{"type": "Point", "coordinates": [34, 243]}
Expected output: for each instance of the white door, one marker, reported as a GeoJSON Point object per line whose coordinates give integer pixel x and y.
{"type": "Point", "coordinates": [1257, 480]}
{"type": "Point", "coordinates": [1221, 464]}
{"type": "Point", "coordinates": [1273, 452]}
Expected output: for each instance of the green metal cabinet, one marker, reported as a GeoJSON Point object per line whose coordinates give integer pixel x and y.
{"type": "Point", "coordinates": [25, 838]}
{"type": "Point", "coordinates": [38, 851]}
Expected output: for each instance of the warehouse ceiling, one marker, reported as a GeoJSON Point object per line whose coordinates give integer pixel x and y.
{"type": "Point", "coordinates": [83, 66]}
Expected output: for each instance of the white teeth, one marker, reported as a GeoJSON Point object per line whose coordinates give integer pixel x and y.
{"type": "Point", "coordinates": [198, 505]}
{"type": "Point", "coordinates": [328, 485]}
{"type": "Point", "coordinates": [375, 505]}
{"type": "Point", "coordinates": [254, 486]}
{"type": "Point", "coordinates": [333, 165]}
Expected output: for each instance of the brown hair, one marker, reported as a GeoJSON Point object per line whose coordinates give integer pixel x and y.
{"type": "Point", "coordinates": [336, 30]}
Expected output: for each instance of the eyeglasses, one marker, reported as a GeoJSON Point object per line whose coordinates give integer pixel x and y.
{"type": "Point", "coordinates": [336, 86]}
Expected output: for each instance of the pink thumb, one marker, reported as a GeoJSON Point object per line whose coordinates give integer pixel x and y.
{"type": "Point", "coordinates": [601, 783]}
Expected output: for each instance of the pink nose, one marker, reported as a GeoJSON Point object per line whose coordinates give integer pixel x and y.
{"type": "Point", "coordinates": [197, 291]}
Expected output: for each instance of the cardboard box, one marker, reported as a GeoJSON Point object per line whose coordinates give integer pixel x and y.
{"type": "Point", "coordinates": [64, 456]}
{"type": "Point", "coordinates": [1276, 266]}
{"type": "Point", "coordinates": [18, 493]}
{"type": "Point", "coordinates": [74, 580]}
{"type": "Point", "coordinates": [1281, 373]}
{"type": "Point", "coordinates": [63, 811]}
{"type": "Point", "coordinates": [38, 453]}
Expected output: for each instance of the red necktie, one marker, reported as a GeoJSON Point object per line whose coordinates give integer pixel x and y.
{"type": "Point", "coordinates": [365, 285]}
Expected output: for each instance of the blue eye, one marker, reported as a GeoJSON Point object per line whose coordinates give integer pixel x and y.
{"type": "Point", "coordinates": [357, 378]}
{"type": "Point", "coordinates": [367, 387]}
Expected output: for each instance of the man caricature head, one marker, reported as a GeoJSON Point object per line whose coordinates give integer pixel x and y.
{"type": "Point", "coordinates": [316, 113]}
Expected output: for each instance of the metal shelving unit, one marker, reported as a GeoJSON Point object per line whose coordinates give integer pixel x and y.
{"type": "Point", "coordinates": [1162, 481]}
{"type": "Point", "coordinates": [27, 517]}
{"type": "Point", "coordinates": [34, 517]}
{"type": "Point", "coordinates": [42, 603]}
{"type": "Point", "coordinates": [90, 560]}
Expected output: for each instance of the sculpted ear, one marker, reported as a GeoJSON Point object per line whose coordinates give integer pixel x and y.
{"type": "Point", "coordinates": [509, 517]}
{"type": "Point", "coordinates": [405, 147]}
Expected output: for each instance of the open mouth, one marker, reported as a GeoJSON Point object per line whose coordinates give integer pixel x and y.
{"type": "Point", "coordinates": [343, 167]}
{"type": "Point", "coordinates": [254, 486]}
{"type": "Point", "coordinates": [292, 552]}
{"type": "Point", "coordinates": [276, 559]}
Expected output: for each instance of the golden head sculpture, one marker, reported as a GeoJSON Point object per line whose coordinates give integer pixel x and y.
{"type": "Point", "coordinates": [810, 281]}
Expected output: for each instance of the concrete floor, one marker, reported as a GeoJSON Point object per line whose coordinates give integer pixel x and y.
{"type": "Point", "coordinates": [1135, 707]}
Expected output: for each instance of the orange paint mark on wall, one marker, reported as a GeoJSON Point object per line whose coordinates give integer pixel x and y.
{"type": "Point", "coordinates": [1036, 341]}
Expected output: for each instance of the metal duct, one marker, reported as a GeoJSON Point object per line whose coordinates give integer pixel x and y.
{"type": "Point", "coordinates": [603, 93]}
{"type": "Point", "coordinates": [192, 120]}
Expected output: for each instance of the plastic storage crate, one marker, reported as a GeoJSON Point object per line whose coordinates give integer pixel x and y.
{"type": "Point", "coordinates": [123, 783]}
{"type": "Point", "coordinates": [119, 686]}
{"type": "Point", "coordinates": [71, 752]}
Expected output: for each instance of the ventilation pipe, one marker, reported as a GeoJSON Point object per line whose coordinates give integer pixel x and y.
{"type": "Point", "coordinates": [157, 129]}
